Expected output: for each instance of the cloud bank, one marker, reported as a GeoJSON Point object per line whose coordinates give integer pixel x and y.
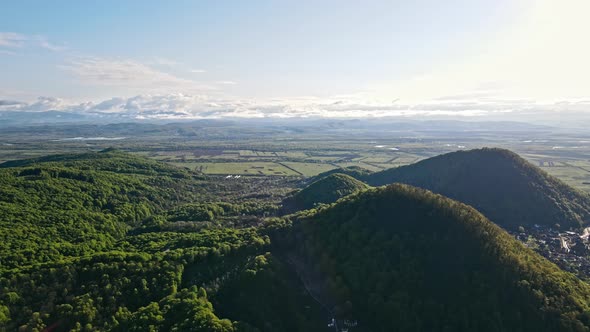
{"type": "Point", "coordinates": [184, 106]}
{"type": "Point", "coordinates": [121, 72]}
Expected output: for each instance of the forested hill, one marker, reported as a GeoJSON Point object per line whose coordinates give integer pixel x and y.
{"type": "Point", "coordinates": [71, 205]}
{"type": "Point", "coordinates": [399, 258]}
{"type": "Point", "coordinates": [326, 190]}
{"type": "Point", "coordinates": [356, 172]}
{"type": "Point", "coordinates": [112, 160]}
{"type": "Point", "coordinates": [108, 241]}
{"type": "Point", "coordinates": [500, 184]}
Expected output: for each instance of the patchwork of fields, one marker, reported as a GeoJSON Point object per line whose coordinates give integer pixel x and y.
{"type": "Point", "coordinates": [282, 163]}
{"type": "Point", "coordinates": [259, 152]}
{"type": "Point", "coordinates": [574, 171]}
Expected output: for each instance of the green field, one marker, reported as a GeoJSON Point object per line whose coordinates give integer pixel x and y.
{"type": "Point", "coordinates": [575, 172]}
{"type": "Point", "coordinates": [309, 169]}
{"type": "Point", "coordinates": [281, 162]}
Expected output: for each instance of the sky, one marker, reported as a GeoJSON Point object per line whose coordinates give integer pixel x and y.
{"type": "Point", "coordinates": [460, 58]}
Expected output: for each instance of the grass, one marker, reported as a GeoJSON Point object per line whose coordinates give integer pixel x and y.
{"type": "Point", "coordinates": [309, 169]}
{"type": "Point", "coordinates": [361, 164]}
{"type": "Point", "coordinates": [292, 154]}
{"type": "Point", "coordinates": [573, 176]}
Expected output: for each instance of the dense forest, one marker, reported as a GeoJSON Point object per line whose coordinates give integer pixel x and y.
{"type": "Point", "coordinates": [110, 241]}
{"type": "Point", "coordinates": [399, 258]}
{"type": "Point", "coordinates": [500, 184]}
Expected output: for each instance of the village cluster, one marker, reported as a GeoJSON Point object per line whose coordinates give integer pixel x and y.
{"type": "Point", "coordinates": [569, 250]}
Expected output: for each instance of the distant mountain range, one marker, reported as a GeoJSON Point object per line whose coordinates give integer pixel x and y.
{"type": "Point", "coordinates": [388, 124]}
{"type": "Point", "coordinates": [22, 118]}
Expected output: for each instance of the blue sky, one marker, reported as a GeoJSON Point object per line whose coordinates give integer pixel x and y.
{"type": "Point", "coordinates": [295, 54]}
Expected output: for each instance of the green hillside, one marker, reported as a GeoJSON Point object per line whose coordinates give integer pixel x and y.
{"type": "Point", "coordinates": [326, 190]}
{"type": "Point", "coordinates": [111, 160]}
{"type": "Point", "coordinates": [399, 258]}
{"type": "Point", "coordinates": [500, 184]}
{"type": "Point", "coordinates": [71, 205]}
{"type": "Point", "coordinates": [108, 241]}
{"type": "Point", "coordinates": [356, 172]}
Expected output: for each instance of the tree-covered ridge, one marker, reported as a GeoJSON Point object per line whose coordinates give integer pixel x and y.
{"type": "Point", "coordinates": [399, 258]}
{"type": "Point", "coordinates": [101, 291]}
{"type": "Point", "coordinates": [160, 280]}
{"type": "Point", "coordinates": [356, 172]}
{"type": "Point", "coordinates": [68, 208]}
{"type": "Point", "coordinates": [187, 310]}
{"type": "Point", "coordinates": [499, 183]}
{"type": "Point", "coordinates": [111, 160]}
{"type": "Point", "coordinates": [326, 190]}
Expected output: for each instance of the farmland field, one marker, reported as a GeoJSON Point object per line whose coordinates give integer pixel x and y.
{"type": "Point", "coordinates": [309, 169]}
{"type": "Point", "coordinates": [242, 168]}
{"type": "Point", "coordinates": [269, 150]}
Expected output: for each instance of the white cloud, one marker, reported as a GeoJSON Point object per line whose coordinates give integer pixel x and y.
{"type": "Point", "coordinates": [155, 75]}
{"type": "Point", "coordinates": [12, 39]}
{"type": "Point", "coordinates": [159, 61]}
{"type": "Point", "coordinates": [195, 106]}
{"type": "Point", "coordinates": [173, 64]}
{"type": "Point", "coordinates": [48, 104]}
{"type": "Point", "coordinates": [40, 105]}
{"type": "Point", "coordinates": [110, 105]}
{"type": "Point", "coordinates": [44, 43]}
{"type": "Point", "coordinates": [118, 72]}
{"type": "Point", "coordinates": [17, 40]}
